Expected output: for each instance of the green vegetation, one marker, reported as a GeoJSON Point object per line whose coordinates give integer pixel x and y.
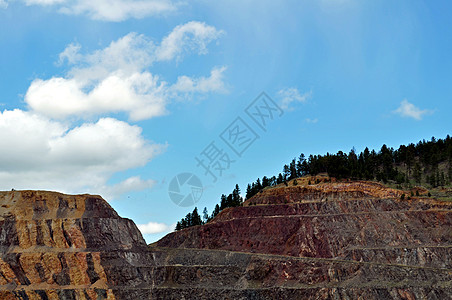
{"type": "Point", "coordinates": [193, 218]}
{"type": "Point", "coordinates": [427, 163]}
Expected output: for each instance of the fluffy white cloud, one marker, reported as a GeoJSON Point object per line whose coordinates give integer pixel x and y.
{"type": "Point", "coordinates": [111, 10]}
{"type": "Point", "coordinates": [52, 146]}
{"type": "Point", "coordinates": [409, 110]}
{"type": "Point", "coordinates": [290, 95]}
{"type": "Point", "coordinates": [46, 154]}
{"type": "Point", "coordinates": [116, 79]}
{"type": "Point", "coordinates": [153, 227]}
{"type": "Point", "coordinates": [3, 4]}
{"type": "Point", "coordinates": [139, 94]}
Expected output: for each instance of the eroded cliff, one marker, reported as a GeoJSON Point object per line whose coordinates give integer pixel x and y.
{"type": "Point", "coordinates": [333, 240]}
{"type": "Point", "coordinates": [328, 240]}
{"type": "Point", "coordinates": [56, 246]}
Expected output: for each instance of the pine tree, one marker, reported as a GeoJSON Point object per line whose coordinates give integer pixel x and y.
{"type": "Point", "coordinates": [417, 174]}
{"type": "Point", "coordinates": [223, 202]}
{"type": "Point", "coordinates": [265, 182]}
{"type": "Point", "coordinates": [248, 191]}
{"type": "Point", "coordinates": [236, 199]}
{"type": "Point", "coordinates": [300, 170]}
{"type": "Point", "coordinates": [178, 226]}
{"type": "Point", "coordinates": [286, 172]}
{"type": "Point", "coordinates": [205, 215]}
{"type": "Point", "coordinates": [280, 179]}
{"type": "Point", "coordinates": [293, 169]}
{"type": "Point", "coordinates": [195, 218]}
{"type": "Point", "coordinates": [215, 211]}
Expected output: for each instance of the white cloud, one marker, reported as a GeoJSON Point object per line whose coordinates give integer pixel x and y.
{"type": "Point", "coordinates": [131, 184]}
{"type": "Point", "coordinates": [3, 4]}
{"type": "Point", "coordinates": [289, 95]}
{"type": "Point", "coordinates": [52, 146]}
{"type": "Point", "coordinates": [46, 154]}
{"type": "Point", "coordinates": [111, 10]}
{"type": "Point", "coordinates": [190, 37]}
{"type": "Point", "coordinates": [154, 227]}
{"type": "Point", "coordinates": [139, 94]}
{"type": "Point", "coordinates": [213, 83]}
{"type": "Point", "coordinates": [409, 110]}
{"type": "Point", "coordinates": [116, 79]}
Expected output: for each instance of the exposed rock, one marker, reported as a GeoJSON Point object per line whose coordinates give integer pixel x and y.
{"type": "Point", "coordinates": [339, 240]}
{"type": "Point", "coordinates": [331, 240]}
{"type": "Point", "coordinates": [55, 246]}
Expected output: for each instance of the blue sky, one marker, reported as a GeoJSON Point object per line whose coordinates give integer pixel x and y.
{"type": "Point", "coordinates": [116, 98]}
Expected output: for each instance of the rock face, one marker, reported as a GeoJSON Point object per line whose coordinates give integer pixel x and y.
{"type": "Point", "coordinates": [327, 241]}
{"type": "Point", "coordinates": [55, 246]}
{"type": "Point", "coordinates": [339, 240]}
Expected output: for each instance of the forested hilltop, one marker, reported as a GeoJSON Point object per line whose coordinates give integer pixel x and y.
{"type": "Point", "coordinates": [427, 163]}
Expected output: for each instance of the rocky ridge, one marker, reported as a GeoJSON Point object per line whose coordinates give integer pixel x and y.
{"type": "Point", "coordinates": [56, 246]}
{"type": "Point", "coordinates": [339, 240]}
{"type": "Point", "coordinates": [328, 240]}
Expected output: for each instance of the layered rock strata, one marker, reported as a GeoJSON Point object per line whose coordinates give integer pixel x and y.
{"type": "Point", "coordinates": [56, 246]}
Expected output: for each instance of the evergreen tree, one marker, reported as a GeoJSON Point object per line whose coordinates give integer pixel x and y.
{"type": "Point", "coordinates": [223, 202]}
{"type": "Point", "coordinates": [286, 172]}
{"type": "Point", "coordinates": [195, 218]}
{"type": "Point", "coordinates": [293, 169]}
{"type": "Point", "coordinates": [236, 199]}
{"type": "Point", "coordinates": [248, 191]}
{"type": "Point", "coordinates": [300, 168]}
{"type": "Point", "coordinates": [205, 215]}
{"type": "Point", "coordinates": [265, 182]}
{"type": "Point", "coordinates": [215, 211]}
{"type": "Point", "coordinates": [417, 174]}
{"type": "Point", "coordinates": [280, 179]}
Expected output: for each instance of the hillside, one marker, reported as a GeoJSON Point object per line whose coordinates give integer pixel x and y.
{"type": "Point", "coordinates": [56, 246]}
{"type": "Point", "coordinates": [329, 240]}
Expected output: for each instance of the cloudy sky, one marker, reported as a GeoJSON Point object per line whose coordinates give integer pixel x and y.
{"type": "Point", "coordinates": [118, 97]}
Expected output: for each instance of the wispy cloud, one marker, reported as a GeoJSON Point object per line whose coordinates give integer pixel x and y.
{"type": "Point", "coordinates": [190, 37]}
{"type": "Point", "coordinates": [154, 227]}
{"type": "Point", "coordinates": [312, 121]}
{"type": "Point", "coordinates": [409, 110]}
{"type": "Point", "coordinates": [131, 184]}
{"type": "Point", "coordinates": [289, 96]}
{"type": "Point", "coordinates": [112, 10]}
{"type": "Point", "coordinates": [118, 79]}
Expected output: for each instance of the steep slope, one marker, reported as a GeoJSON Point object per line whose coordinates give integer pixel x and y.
{"type": "Point", "coordinates": [349, 240]}
{"type": "Point", "coordinates": [56, 246]}
{"type": "Point", "coordinates": [335, 240]}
